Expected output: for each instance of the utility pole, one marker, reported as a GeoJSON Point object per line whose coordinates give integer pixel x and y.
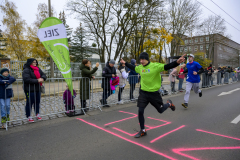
{"type": "Point", "coordinates": [51, 60]}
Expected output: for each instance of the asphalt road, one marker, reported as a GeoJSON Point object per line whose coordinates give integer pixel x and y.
{"type": "Point", "coordinates": [203, 131]}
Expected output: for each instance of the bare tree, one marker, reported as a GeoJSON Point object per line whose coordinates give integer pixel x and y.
{"type": "Point", "coordinates": [111, 22]}
{"type": "Point", "coordinates": [183, 18]}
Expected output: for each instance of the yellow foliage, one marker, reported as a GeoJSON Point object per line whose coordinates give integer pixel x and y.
{"type": "Point", "coordinates": [156, 39]}
{"type": "Point", "coordinates": [200, 58]}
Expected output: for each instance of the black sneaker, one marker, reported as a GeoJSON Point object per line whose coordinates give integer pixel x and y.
{"type": "Point", "coordinates": [185, 105]}
{"type": "Point", "coordinates": [172, 106]}
{"type": "Point", "coordinates": [200, 94]}
{"type": "Point", "coordinates": [140, 134]}
{"type": "Point", "coordinates": [107, 106]}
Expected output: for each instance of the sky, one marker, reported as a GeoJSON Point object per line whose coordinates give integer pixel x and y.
{"type": "Point", "coordinates": [28, 9]}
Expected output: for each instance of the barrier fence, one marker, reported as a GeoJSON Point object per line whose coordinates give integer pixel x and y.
{"type": "Point", "coordinates": [90, 95]}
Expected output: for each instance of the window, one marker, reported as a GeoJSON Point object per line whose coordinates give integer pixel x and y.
{"type": "Point", "coordinates": [201, 39]}
{"type": "Point", "coordinates": [207, 38]}
{"type": "Point", "coordinates": [185, 49]}
{"type": "Point", "coordinates": [207, 46]}
{"type": "Point", "coordinates": [196, 40]}
{"type": "Point", "coordinates": [205, 55]}
{"type": "Point", "coordinates": [190, 48]}
{"type": "Point", "coordinates": [186, 41]}
{"type": "Point", "coordinates": [190, 41]}
{"type": "Point", "coordinates": [201, 47]}
{"type": "Point", "coordinates": [195, 48]}
{"type": "Point", "coordinates": [181, 49]}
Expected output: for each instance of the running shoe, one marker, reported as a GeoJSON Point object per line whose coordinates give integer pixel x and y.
{"type": "Point", "coordinates": [4, 120]}
{"type": "Point", "coordinates": [200, 94]}
{"type": "Point", "coordinates": [140, 134]}
{"type": "Point", "coordinates": [185, 105]}
{"type": "Point", "coordinates": [8, 118]}
{"type": "Point", "coordinates": [172, 106]}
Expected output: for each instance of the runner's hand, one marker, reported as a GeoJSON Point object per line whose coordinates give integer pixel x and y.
{"type": "Point", "coordinates": [195, 73]}
{"type": "Point", "coordinates": [181, 59]}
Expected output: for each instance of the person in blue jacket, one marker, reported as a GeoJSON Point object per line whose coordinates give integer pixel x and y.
{"type": "Point", "coordinates": [194, 69]}
{"type": "Point", "coordinates": [6, 93]}
{"type": "Point", "coordinates": [133, 79]}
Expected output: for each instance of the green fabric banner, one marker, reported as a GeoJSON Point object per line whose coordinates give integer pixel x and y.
{"type": "Point", "coordinates": [52, 34]}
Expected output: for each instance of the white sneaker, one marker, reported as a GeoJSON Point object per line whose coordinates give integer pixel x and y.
{"type": "Point", "coordinates": [120, 102]}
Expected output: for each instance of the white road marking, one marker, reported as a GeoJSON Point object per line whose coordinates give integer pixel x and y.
{"type": "Point", "coordinates": [236, 120]}
{"type": "Point", "coordinates": [229, 92]}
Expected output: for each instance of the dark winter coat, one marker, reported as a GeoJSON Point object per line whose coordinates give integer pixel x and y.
{"type": "Point", "coordinates": [30, 81]}
{"type": "Point", "coordinates": [85, 85]}
{"type": "Point", "coordinates": [107, 74]}
{"type": "Point", "coordinates": [133, 77]}
{"type": "Point", "coordinates": [3, 86]}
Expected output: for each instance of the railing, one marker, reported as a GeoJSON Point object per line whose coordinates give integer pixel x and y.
{"type": "Point", "coordinates": [92, 90]}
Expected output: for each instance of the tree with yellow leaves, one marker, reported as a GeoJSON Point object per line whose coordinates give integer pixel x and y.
{"type": "Point", "coordinates": [156, 37]}
{"type": "Point", "coordinates": [17, 47]}
{"type": "Point", "coordinates": [22, 41]}
{"type": "Point", "coordinates": [201, 59]}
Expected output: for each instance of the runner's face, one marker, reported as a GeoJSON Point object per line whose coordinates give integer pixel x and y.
{"type": "Point", "coordinates": [5, 73]}
{"type": "Point", "coordinates": [190, 59]}
{"type": "Point", "coordinates": [144, 62]}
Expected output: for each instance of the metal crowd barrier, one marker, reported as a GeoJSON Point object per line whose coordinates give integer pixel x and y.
{"type": "Point", "coordinates": [52, 105]}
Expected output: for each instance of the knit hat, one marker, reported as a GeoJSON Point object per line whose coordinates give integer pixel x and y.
{"type": "Point", "coordinates": [133, 61]}
{"type": "Point", "coordinates": [4, 70]}
{"type": "Point", "coordinates": [112, 61]}
{"type": "Point", "coordinates": [144, 55]}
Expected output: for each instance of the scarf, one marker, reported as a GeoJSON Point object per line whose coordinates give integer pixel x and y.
{"type": "Point", "coordinates": [36, 72]}
{"type": "Point", "coordinates": [4, 76]}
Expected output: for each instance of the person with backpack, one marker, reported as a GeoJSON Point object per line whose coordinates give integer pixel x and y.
{"type": "Point", "coordinates": [123, 75]}
{"type": "Point", "coordinates": [150, 84]}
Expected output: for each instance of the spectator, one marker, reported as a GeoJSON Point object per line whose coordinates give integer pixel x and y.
{"type": "Point", "coordinates": [222, 71]}
{"type": "Point", "coordinates": [133, 79]}
{"type": "Point", "coordinates": [214, 75]}
{"type": "Point", "coordinates": [6, 93]}
{"type": "Point", "coordinates": [123, 75]}
{"type": "Point", "coordinates": [33, 77]}
{"type": "Point", "coordinates": [210, 78]}
{"type": "Point", "coordinates": [68, 100]}
{"type": "Point", "coordinates": [108, 72]}
{"type": "Point", "coordinates": [172, 78]}
{"type": "Point", "coordinates": [85, 85]}
{"type": "Point", "coordinates": [181, 78]}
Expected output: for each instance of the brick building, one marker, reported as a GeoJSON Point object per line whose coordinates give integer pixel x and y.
{"type": "Point", "coordinates": [221, 50]}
